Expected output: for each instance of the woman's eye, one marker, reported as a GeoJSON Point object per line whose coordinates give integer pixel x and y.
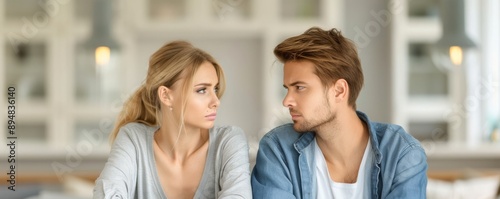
{"type": "Point", "coordinates": [202, 91]}
{"type": "Point", "coordinates": [216, 89]}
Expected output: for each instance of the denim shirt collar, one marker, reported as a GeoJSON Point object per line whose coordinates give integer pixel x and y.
{"type": "Point", "coordinates": [306, 139]}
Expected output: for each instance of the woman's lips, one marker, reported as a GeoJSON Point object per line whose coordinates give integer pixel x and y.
{"type": "Point", "coordinates": [211, 117]}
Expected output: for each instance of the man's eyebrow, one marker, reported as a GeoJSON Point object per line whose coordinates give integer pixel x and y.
{"type": "Point", "coordinates": [294, 83]}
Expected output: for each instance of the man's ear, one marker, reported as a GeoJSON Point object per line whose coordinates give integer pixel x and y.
{"type": "Point", "coordinates": [340, 90]}
{"type": "Point", "coordinates": [165, 95]}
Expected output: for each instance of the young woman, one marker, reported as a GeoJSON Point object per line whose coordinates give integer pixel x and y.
{"type": "Point", "coordinates": [165, 144]}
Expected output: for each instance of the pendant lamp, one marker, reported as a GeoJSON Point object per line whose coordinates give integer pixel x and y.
{"type": "Point", "coordinates": [99, 77]}
{"type": "Point", "coordinates": [449, 50]}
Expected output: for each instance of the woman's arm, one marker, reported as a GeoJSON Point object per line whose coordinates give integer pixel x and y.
{"type": "Point", "coordinates": [235, 167]}
{"type": "Point", "coordinates": [117, 179]}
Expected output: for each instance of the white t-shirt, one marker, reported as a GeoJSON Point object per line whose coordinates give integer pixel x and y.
{"type": "Point", "coordinates": [328, 189]}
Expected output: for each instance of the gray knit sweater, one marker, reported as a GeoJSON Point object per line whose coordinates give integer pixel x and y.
{"type": "Point", "coordinates": [131, 170]}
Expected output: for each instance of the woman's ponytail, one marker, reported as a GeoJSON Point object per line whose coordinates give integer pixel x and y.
{"type": "Point", "coordinates": [140, 107]}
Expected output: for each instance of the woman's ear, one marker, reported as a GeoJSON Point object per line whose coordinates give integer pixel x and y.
{"type": "Point", "coordinates": [164, 94]}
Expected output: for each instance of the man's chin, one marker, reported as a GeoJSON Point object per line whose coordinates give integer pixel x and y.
{"type": "Point", "coordinates": [300, 129]}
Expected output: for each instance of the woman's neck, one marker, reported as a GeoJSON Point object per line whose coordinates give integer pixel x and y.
{"type": "Point", "coordinates": [180, 143]}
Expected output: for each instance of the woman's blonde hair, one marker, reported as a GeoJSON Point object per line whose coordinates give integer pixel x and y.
{"type": "Point", "coordinates": [165, 68]}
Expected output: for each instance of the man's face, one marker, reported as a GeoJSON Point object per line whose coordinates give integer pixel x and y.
{"type": "Point", "coordinates": [306, 98]}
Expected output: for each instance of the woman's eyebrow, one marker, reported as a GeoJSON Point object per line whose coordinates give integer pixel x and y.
{"type": "Point", "coordinates": [205, 84]}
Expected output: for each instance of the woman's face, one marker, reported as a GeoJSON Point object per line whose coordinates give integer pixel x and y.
{"type": "Point", "coordinates": [202, 100]}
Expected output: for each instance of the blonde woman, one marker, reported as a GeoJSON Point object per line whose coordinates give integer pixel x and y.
{"type": "Point", "coordinates": [165, 144]}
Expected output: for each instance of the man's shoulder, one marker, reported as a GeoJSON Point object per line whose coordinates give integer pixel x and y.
{"type": "Point", "coordinates": [284, 134]}
{"type": "Point", "coordinates": [388, 134]}
{"type": "Point", "coordinates": [284, 130]}
{"type": "Point", "coordinates": [394, 135]}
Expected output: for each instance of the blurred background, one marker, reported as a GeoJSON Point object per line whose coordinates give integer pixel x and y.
{"type": "Point", "coordinates": [431, 66]}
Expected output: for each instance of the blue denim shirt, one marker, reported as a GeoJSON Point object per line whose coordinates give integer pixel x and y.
{"type": "Point", "coordinates": [285, 164]}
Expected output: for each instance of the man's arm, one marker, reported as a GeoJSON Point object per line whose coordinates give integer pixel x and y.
{"type": "Point", "coordinates": [410, 180]}
{"type": "Point", "coordinates": [271, 176]}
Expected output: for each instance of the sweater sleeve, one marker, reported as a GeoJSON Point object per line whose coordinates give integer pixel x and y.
{"type": "Point", "coordinates": [234, 179]}
{"type": "Point", "coordinates": [118, 178]}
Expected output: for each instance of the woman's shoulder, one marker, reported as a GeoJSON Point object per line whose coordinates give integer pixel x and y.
{"type": "Point", "coordinates": [227, 130]}
{"type": "Point", "coordinates": [135, 131]}
{"type": "Point", "coordinates": [134, 126]}
{"type": "Point", "coordinates": [228, 133]}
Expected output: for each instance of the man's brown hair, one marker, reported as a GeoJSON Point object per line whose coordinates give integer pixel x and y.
{"type": "Point", "coordinates": [334, 57]}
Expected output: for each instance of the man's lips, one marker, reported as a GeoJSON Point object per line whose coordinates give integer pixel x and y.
{"type": "Point", "coordinates": [294, 115]}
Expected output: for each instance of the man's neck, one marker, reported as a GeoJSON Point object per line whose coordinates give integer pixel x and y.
{"type": "Point", "coordinates": [343, 141]}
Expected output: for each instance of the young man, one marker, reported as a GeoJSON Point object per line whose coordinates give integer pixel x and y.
{"type": "Point", "coordinates": [331, 150]}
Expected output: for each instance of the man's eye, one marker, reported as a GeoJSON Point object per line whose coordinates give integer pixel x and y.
{"type": "Point", "coordinates": [300, 88]}
{"type": "Point", "coordinates": [201, 91]}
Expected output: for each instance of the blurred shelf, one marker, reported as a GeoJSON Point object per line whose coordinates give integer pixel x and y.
{"type": "Point", "coordinates": [455, 174]}
{"type": "Point", "coordinates": [430, 109]}
{"type": "Point", "coordinates": [300, 9]}
{"type": "Point", "coordinates": [26, 30]}
{"type": "Point", "coordinates": [37, 151]}
{"type": "Point", "coordinates": [423, 29]}
{"type": "Point", "coordinates": [207, 29]}
{"type": "Point", "coordinates": [40, 178]}
{"type": "Point", "coordinates": [32, 111]}
{"type": "Point", "coordinates": [450, 150]}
